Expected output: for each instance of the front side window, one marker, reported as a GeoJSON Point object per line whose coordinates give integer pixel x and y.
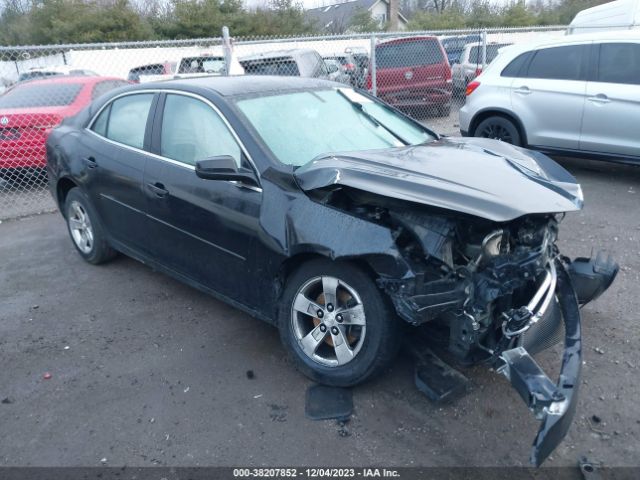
{"type": "Point", "coordinates": [619, 63]}
{"type": "Point", "coordinates": [125, 119]}
{"type": "Point", "coordinates": [297, 127]}
{"type": "Point", "coordinates": [558, 63]}
{"type": "Point", "coordinates": [193, 131]}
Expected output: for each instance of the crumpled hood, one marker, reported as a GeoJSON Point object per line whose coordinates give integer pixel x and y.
{"type": "Point", "coordinates": [481, 177]}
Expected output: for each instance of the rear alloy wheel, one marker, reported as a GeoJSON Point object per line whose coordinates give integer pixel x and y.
{"type": "Point", "coordinates": [499, 128]}
{"type": "Point", "coordinates": [85, 229]}
{"type": "Point", "coordinates": [336, 324]}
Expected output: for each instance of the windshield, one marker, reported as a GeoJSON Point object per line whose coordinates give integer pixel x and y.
{"type": "Point", "coordinates": [301, 126]}
{"type": "Point", "coordinates": [41, 95]}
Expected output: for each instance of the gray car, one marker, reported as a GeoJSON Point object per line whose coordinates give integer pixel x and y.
{"type": "Point", "coordinates": [298, 62]}
{"type": "Point", "coordinates": [575, 95]}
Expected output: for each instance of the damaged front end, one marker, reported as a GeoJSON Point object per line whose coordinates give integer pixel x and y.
{"type": "Point", "coordinates": [482, 273]}
{"type": "Point", "coordinates": [501, 293]}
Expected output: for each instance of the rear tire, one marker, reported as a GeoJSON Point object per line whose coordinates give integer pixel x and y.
{"type": "Point", "coordinates": [85, 229]}
{"type": "Point", "coordinates": [355, 336]}
{"type": "Point", "coordinates": [499, 128]}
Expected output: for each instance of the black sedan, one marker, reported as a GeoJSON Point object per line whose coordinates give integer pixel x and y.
{"type": "Point", "coordinates": [340, 220]}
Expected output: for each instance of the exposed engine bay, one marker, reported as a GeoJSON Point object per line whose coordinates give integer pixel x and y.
{"type": "Point", "coordinates": [501, 291]}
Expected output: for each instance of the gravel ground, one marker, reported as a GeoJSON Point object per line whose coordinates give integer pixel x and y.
{"type": "Point", "coordinates": [147, 371]}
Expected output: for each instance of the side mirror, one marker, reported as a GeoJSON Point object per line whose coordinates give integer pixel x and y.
{"type": "Point", "coordinates": [224, 167]}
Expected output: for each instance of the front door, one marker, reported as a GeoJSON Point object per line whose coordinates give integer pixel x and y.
{"type": "Point", "coordinates": [203, 229]}
{"type": "Point", "coordinates": [612, 108]}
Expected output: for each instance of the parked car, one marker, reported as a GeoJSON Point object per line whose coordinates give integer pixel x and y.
{"type": "Point", "coordinates": [574, 95]}
{"type": "Point", "coordinates": [152, 72]}
{"type": "Point", "coordinates": [361, 58]}
{"type": "Point", "coordinates": [335, 71]}
{"type": "Point", "coordinates": [302, 62]}
{"type": "Point", "coordinates": [413, 72]}
{"type": "Point", "coordinates": [336, 231]}
{"type": "Point", "coordinates": [454, 45]}
{"type": "Point", "coordinates": [350, 67]}
{"type": "Point", "coordinates": [28, 112]}
{"type": "Point", "coordinates": [469, 65]}
{"type": "Point", "coordinates": [54, 71]}
{"type": "Point", "coordinates": [617, 15]}
{"type": "Point", "coordinates": [201, 65]}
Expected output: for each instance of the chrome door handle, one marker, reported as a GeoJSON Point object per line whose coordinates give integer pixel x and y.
{"type": "Point", "coordinates": [523, 91]}
{"type": "Point", "coordinates": [599, 98]}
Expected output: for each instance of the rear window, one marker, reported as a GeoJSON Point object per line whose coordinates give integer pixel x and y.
{"type": "Point", "coordinates": [409, 54]}
{"type": "Point", "coordinates": [103, 87]}
{"type": "Point", "coordinates": [475, 55]}
{"type": "Point", "coordinates": [214, 65]}
{"type": "Point", "coordinates": [48, 95]}
{"type": "Point", "coordinates": [284, 67]}
{"type": "Point", "coordinates": [156, 69]}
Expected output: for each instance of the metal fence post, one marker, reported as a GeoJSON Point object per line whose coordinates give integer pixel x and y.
{"type": "Point", "coordinates": [226, 47]}
{"type": "Point", "coordinates": [484, 49]}
{"type": "Point", "coordinates": [372, 61]}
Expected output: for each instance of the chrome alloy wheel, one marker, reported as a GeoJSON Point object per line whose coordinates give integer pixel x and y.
{"type": "Point", "coordinates": [328, 321]}
{"type": "Point", "coordinates": [80, 227]}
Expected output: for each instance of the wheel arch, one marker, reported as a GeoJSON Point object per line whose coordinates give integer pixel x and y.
{"type": "Point", "coordinates": [498, 112]}
{"type": "Point", "coordinates": [64, 185]}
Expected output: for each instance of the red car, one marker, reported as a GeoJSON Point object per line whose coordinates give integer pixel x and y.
{"type": "Point", "coordinates": [29, 111]}
{"type": "Point", "coordinates": [413, 72]}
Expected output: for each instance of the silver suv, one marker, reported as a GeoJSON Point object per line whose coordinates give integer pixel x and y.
{"type": "Point", "coordinates": [575, 95]}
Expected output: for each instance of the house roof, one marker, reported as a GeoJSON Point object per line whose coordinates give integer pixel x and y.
{"type": "Point", "coordinates": [339, 14]}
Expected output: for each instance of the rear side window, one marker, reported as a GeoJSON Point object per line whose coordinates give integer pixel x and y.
{"type": "Point", "coordinates": [42, 95]}
{"type": "Point", "coordinates": [125, 120]}
{"type": "Point", "coordinates": [619, 63]}
{"type": "Point", "coordinates": [409, 54]}
{"type": "Point", "coordinates": [559, 63]}
{"type": "Point", "coordinates": [515, 68]}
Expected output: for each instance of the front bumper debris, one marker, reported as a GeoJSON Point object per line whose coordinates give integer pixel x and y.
{"type": "Point", "coordinates": [552, 403]}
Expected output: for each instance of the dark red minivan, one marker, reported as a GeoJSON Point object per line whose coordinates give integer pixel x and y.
{"type": "Point", "coordinates": [413, 73]}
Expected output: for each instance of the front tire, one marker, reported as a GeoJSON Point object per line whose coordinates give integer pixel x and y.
{"type": "Point", "coordinates": [335, 323]}
{"type": "Point", "coordinates": [499, 128]}
{"type": "Point", "coordinates": [85, 228]}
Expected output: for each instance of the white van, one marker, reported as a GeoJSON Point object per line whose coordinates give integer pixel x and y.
{"type": "Point", "coordinates": [618, 15]}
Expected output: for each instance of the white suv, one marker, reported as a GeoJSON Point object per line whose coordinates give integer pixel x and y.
{"type": "Point", "coordinates": [574, 95]}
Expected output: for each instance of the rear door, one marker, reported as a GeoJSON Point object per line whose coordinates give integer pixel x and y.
{"type": "Point", "coordinates": [412, 72]}
{"type": "Point", "coordinates": [612, 108]}
{"type": "Point", "coordinates": [549, 98]}
{"type": "Point", "coordinates": [113, 157]}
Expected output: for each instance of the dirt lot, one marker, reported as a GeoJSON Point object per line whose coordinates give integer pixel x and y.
{"type": "Point", "coordinates": [147, 371]}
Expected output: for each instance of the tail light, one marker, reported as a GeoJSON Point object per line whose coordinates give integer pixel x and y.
{"type": "Point", "coordinates": [349, 67]}
{"type": "Point", "coordinates": [472, 88]}
{"type": "Point", "coordinates": [369, 83]}
{"type": "Point", "coordinates": [478, 72]}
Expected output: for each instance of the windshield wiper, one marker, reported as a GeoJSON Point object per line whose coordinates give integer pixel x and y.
{"type": "Point", "coordinates": [360, 108]}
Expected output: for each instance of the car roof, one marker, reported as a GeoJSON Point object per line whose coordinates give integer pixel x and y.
{"type": "Point", "coordinates": [69, 79]}
{"type": "Point", "coordinates": [577, 38]}
{"type": "Point", "coordinates": [243, 84]}
{"type": "Point", "coordinates": [407, 40]}
{"type": "Point", "coordinates": [291, 52]}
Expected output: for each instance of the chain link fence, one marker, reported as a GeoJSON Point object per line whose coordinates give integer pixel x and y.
{"type": "Point", "coordinates": [424, 74]}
